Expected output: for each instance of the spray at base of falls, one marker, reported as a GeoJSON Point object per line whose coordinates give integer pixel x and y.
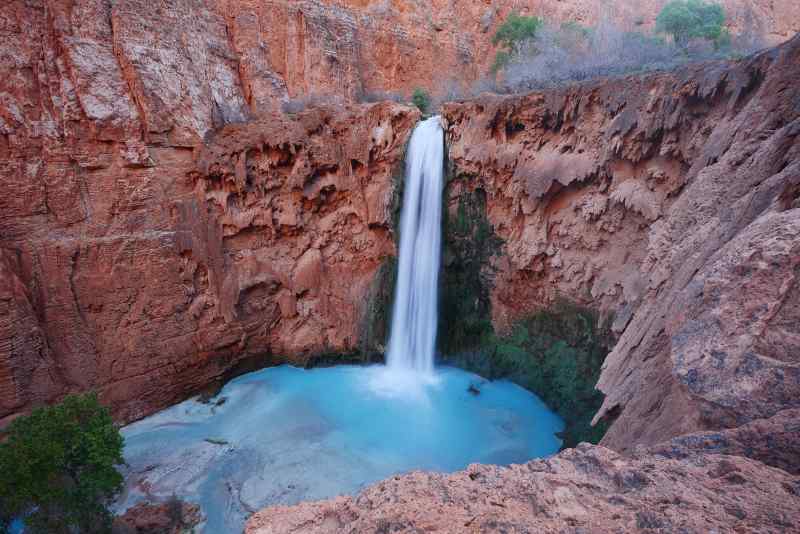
{"type": "Point", "coordinates": [412, 339]}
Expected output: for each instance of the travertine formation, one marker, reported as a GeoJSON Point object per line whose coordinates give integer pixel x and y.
{"type": "Point", "coordinates": [147, 248]}
{"type": "Point", "coordinates": [267, 240]}
{"type": "Point", "coordinates": [672, 202]}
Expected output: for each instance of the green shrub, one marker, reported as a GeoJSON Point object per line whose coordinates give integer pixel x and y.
{"type": "Point", "coordinates": [557, 354]}
{"type": "Point", "coordinates": [421, 99]}
{"type": "Point", "coordinates": [514, 31]}
{"type": "Point", "coordinates": [692, 19]}
{"type": "Point", "coordinates": [501, 61]}
{"type": "Point", "coordinates": [57, 467]}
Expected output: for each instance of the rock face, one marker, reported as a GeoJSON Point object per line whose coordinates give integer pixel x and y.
{"type": "Point", "coordinates": [147, 249]}
{"type": "Point", "coordinates": [162, 222]}
{"type": "Point", "coordinates": [587, 489]}
{"type": "Point", "coordinates": [357, 48]}
{"type": "Point", "coordinates": [671, 202]}
{"type": "Point", "coordinates": [146, 246]}
{"type": "Point", "coordinates": [172, 517]}
{"type": "Point", "coordinates": [364, 48]}
{"type": "Point", "coordinates": [265, 241]}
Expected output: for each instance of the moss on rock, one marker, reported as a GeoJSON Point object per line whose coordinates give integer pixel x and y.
{"type": "Point", "coordinates": [469, 242]}
{"type": "Point", "coordinates": [377, 313]}
{"type": "Point", "coordinates": [556, 353]}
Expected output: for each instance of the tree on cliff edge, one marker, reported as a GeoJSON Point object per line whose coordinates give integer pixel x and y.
{"type": "Point", "coordinates": [515, 30]}
{"type": "Point", "coordinates": [57, 468]}
{"type": "Point", "coordinates": [685, 20]}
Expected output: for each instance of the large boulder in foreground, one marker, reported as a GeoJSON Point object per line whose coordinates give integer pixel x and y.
{"type": "Point", "coordinates": [587, 489]}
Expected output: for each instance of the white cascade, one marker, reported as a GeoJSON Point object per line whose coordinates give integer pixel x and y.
{"type": "Point", "coordinates": [414, 317]}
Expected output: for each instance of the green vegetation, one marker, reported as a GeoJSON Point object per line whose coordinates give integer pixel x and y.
{"type": "Point", "coordinates": [557, 354]}
{"type": "Point", "coordinates": [535, 54]}
{"type": "Point", "coordinates": [466, 278]}
{"type": "Point", "coordinates": [57, 467]}
{"type": "Point", "coordinates": [376, 315]}
{"type": "Point", "coordinates": [693, 19]}
{"type": "Point", "coordinates": [515, 30]}
{"type": "Point", "coordinates": [421, 99]}
{"type": "Point", "coordinates": [511, 34]}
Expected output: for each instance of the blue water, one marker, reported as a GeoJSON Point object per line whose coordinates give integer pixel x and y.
{"type": "Point", "coordinates": [286, 435]}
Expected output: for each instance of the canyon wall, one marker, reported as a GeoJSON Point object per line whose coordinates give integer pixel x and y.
{"type": "Point", "coordinates": [358, 48]}
{"type": "Point", "coordinates": [162, 221]}
{"type": "Point", "coordinates": [147, 248]}
{"type": "Point", "coordinates": [670, 202]}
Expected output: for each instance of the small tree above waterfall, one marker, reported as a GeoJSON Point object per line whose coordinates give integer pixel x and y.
{"type": "Point", "coordinates": [685, 20]}
{"type": "Point", "coordinates": [421, 99]}
{"type": "Point", "coordinates": [516, 30]}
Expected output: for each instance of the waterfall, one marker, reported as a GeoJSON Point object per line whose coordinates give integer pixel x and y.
{"type": "Point", "coordinates": [414, 317]}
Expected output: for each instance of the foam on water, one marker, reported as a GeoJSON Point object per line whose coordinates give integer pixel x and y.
{"type": "Point", "coordinates": [286, 435]}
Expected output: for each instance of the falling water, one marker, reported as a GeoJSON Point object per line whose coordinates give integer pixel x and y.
{"type": "Point", "coordinates": [414, 317]}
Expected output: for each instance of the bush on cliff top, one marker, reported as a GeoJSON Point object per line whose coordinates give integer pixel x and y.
{"type": "Point", "coordinates": [515, 30]}
{"type": "Point", "coordinates": [552, 55]}
{"type": "Point", "coordinates": [685, 20]}
{"type": "Point", "coordinates": [57, 468]}
{"type": "Point", "coordinates": [421, 99]}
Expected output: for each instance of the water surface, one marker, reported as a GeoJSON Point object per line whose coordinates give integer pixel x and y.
{"type": "Point", "coordinates": [285, 435]}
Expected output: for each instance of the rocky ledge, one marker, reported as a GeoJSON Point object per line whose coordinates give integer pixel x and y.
{"type": "Point", "coordinates": [586, 489]}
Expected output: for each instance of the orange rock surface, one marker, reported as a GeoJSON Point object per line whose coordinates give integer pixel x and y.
{"type": "Point", "coordinates": [671, 202]}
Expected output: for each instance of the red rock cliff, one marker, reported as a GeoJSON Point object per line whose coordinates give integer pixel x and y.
{"type": "Point", "coordinates": [160, 221]}
{"type": "Point", "coordinates": [671, 202]}
{"type": "Point", "coordinates": [146, 247]}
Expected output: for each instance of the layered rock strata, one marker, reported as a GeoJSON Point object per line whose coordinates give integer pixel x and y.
{"type": "Point", "coordinates": [672, 202]}
{"type": "Point", "coordinates": [669, 201]}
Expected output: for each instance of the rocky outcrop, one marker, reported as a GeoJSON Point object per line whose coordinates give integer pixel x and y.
{"type": "Point", "coordinates": [147, 248]}
{"type": "Point", "coordinates": [773, 441]}
{"type": "Point", "coordinates": [587, 489]}
{"type": "Point", "coordinates": [670, 202]}
{"type": "Point", "coordinates": [265, 240]}
{"type": "Point", "coordinates": [171, 517]}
